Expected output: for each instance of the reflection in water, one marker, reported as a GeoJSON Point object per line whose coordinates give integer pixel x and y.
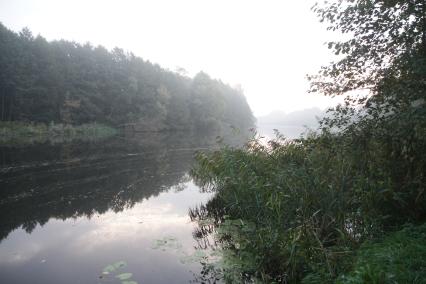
{"type": "Point", "coordinates": [225, 241]}
{"type": "Point", "coordinates": [288, 131]}
{"type": "Point", "coordinates": [68, 210]}
{"type": "Point", "coordinates": [208, 217]}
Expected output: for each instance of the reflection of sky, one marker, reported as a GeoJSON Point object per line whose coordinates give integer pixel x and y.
{"type": "Point", "coordinates": [76, 250]}
{"type": "Point", "coordinates": [289, 132]}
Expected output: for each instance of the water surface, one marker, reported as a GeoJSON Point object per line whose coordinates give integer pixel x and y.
{"type": "Point", "coordinates": [69, 210]}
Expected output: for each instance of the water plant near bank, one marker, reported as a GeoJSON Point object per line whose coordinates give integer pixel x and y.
{"type": "Point", "coordinates": [293, 210]}
{"type": "Point", "coordinates": [26, 133]}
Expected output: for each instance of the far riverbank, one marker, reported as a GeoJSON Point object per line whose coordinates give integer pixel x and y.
{"type": "Point", "coordinates": [28, 132]}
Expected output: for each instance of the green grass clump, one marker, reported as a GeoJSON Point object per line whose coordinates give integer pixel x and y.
{"type": "Point", "coordinates": [398, 258]}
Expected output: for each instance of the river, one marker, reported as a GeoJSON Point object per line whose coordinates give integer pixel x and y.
{"type": "Point", "coordinates": [106, 211]}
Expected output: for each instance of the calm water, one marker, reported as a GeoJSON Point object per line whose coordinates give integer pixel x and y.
{"type": "Point", "coordinates": [67, 211]}
{"type": "Point", "coordinates": [289, 131]}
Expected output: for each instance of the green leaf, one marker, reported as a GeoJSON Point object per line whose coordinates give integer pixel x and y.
{"type": "Point", "coordinates": [124, 276]}
{"type": "Point", "coordinates": [129, 282]}
{"type": "Point", "coordinates": [119, 264]}
{"type": "Point", "coordinates": [109, 268]}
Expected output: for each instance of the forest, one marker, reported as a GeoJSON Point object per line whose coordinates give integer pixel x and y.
{"type": "Point", "coordinates": [70, 83]}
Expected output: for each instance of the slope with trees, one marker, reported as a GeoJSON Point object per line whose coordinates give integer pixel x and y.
{"type": "Point", "coordinates": [71, 83]}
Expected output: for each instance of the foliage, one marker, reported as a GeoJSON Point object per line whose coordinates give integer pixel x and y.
{"type": "Point", "coordinates": [398, 258]}
{"type": "Point", "coordinates": [310, 203]}
{"type": "Point", "coordinates": [384, 38]}
{"type": "Point", "coordinates": [314, 201]}
{"type": "Point", "coordinates": [387, 56]}
{"type": "Point", "coordinates": [70, 83]}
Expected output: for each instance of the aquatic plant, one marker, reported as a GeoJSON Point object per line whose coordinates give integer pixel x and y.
{"type": "Point", "coordinates": [112, 272]}
{"type": "Point", "coordinates": [304, 207]}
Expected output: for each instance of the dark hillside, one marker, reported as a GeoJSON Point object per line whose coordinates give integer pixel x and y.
{"type": "Point", "coordinates": [67, 82]}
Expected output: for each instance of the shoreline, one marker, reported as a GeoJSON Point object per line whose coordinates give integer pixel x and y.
{"type": "Point", "coordinates": [24, 133]}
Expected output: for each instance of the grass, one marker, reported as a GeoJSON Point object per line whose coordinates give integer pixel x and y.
{"type": "Point", "coordinates": [27, 133]}
{"type": "Point", "coordinates": [311, 205]}
{"type": "Point", "coordinates": [397, 258]}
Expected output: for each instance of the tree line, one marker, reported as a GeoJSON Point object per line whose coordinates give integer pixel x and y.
{"type": "Point", "coordinates": [66, 82]}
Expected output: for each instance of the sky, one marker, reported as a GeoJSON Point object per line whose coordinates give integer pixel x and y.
{"type": "Point", "coordinates": [268, 47]}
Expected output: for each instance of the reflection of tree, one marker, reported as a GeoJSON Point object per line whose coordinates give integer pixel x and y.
{"type": "Point", "coordinates": [219, 235]}
{"type": "Point", "coordinates": [71, 180]}
{"type": "Point", "coordinates": [208, 218]}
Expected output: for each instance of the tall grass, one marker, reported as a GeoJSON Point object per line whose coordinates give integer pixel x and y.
{"type": "Point", "coordinates": [397, 258]}
{"type": "Point", "coordinates": [311, 203]}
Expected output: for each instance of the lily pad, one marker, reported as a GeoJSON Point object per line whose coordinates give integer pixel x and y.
{"type": "Point", "coordinates": [109, 268]}
{"type": "Point", "coordinates": [119, 264]}
{"type": "Point", "coordinates": [167, 243]}
{"type": "Point", "coordinates": [124, 276]}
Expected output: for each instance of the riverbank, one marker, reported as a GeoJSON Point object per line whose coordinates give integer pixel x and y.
{"type": "Point", "coordinates": [313, 210]}
{"type": "Point", "coordinates": [12, 133]}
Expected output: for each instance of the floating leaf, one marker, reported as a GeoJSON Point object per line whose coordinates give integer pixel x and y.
{"type": "Point", "coordinates": [169, 242]}
{"type": "Point", "coordinates": [157, 244]}
{"type": "Point", "coordinates": [124, 276]}
{"type": "Point", "coordinates": [119, 264]}
{"type": "Point", "coordinates": [109, 268]}
{"type": "Point", "coordinates": [129, 282]}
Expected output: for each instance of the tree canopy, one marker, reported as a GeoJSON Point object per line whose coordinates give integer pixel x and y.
{"type": "Point", "coordinates": [386, 55]}
{"type": "Point", "coordinates": [387, 39]}
{"type": "Point", "coordinates": [68, 82]}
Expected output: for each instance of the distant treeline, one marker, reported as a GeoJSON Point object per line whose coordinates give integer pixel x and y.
{"type": "Point", "coordinates": [67, 82]}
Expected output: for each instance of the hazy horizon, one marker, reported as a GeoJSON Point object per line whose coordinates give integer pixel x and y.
{"type": "Point", "coordinates": [267, 49]}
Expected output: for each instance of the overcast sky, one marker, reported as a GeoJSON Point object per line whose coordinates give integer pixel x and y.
{"type": "Point", "coordinates": [266, 46]}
